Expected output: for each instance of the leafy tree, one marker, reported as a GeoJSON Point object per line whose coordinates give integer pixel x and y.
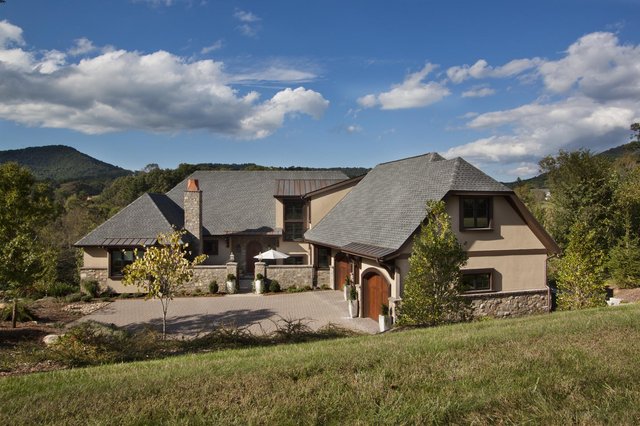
{"type": "Point", "coordinates": [582, 189]}
{"type": "Point", "coordinates": [432, 293]}
{"type": "Point", "coordinates": [162, 270]}
{"type": "Point", "coordinates": [25, 206]}
{"type": "Point", "coordinates": [534, 200]}
{"type": "Point", "coordinates": [624, 262]}
{"type": "Point", "coordinates": [581, 270]}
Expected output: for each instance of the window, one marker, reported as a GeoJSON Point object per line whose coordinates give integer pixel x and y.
{"type": "Point", "coordinates": [476, 280]}
{"type": "Point", "coordinates": [324, 257]}
{"type": "Point", "coordinates": [475, 212]}
{"type": "Point", "coordinates": [119, 259]}
{"type": "Point", "coordinates": [210, 247]}
{"type": "Point", "coordinates": [293, 220]}
{"type": "Point", "coordinates": [294, 260]}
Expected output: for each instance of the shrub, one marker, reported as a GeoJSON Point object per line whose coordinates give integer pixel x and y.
{"type": "Point", "coordinates": [384, 309]}
{"type": "Point", "coordinates": [90, 287]}
{"type": "Point", "coordinates": [73, 297]}
{"type": "Point", "coordinates": [231, 277]}
{"type": "Point", "coordinates": [274, 286]}
{"type": "Point", "coordinates": [259, 277]}
{"type": "Point", "coordinates": [213, 287]}
{"type": "Point", "coordinates": [87, 298]}
{"type": "Point", "coordinates": [353, 293]}
{"type": "Point", "coordinates": [23, 313]}
{"type": "Point", "coordinates": [58, 289]}
{"type": "Point", "coordinates": [325, 287]}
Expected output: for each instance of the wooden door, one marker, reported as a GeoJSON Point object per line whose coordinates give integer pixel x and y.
{"type": "Point", "coordinates": [342, 270]}
{"type": "Point", "coordinates": [376, 292]}
{"type": "Point", "coordinates": [253, 249]}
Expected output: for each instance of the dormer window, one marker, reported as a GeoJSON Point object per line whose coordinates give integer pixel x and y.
{"type": "Point", "coordinates": [475, 213]}
{"type": "Point", "coordinates": [293, 220]}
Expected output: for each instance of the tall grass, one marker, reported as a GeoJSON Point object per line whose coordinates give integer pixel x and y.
{"type": "Point", "coordinates": [564, 368]}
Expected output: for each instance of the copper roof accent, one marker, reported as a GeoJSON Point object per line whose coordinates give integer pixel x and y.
{"type": "Point", "coordinates": [300, 187]}
{"type": "Point", "coordinates": [192, 185]}
{"type": "Point", "coordinates": [128, 242]}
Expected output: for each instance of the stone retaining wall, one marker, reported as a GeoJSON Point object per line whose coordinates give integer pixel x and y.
{"type": "Point", "coordinates": [203, 275]}
{"type": "Point", "coordinates": [291, 275]}
{"type": "Point", "coordinates": [95, 274]}
{"type": "Point", "coordinates": [511, 304]}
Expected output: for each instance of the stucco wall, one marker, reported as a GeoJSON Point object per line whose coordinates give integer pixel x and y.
{"type": "Point", "coordinates": [513, 272]}
{"type": "Point", "coordinates": [509, 231]}
{"type": "Point", "coordinates": [95, 257]}
{"type": "Point", "coordinates": [223, 253]}
{"type": "Point", "coordinates": [322, 204]}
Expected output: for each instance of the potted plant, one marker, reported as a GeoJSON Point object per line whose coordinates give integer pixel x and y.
{"type": "Point", "coordinates": [259, 284]}
{"type": "Point", "coordinates": [384, 319]}
{"type": "Point", "coordinates": [353, 301]}
{"type": "Point", "coordinates": [231, 284]}
{"type": "Point", "coordinates": [347, 286]}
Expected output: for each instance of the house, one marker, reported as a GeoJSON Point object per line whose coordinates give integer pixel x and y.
{"type": "Point", "coordinates": [334, 228]}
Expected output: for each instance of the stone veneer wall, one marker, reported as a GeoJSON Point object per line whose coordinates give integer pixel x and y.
{"type": "Point", "coordinates": [291, 275]}
{"type": "Point", "coordinates": [323, 278]}
{"type": "Point", "coordinates": [511, 304]}
{"type": "Point", "coordinates": [203, 275]}
{"type": "Point", "coordinates": [95, 274]}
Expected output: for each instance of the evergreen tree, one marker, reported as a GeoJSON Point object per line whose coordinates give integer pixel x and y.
{"type": "Point", "coordinates": [432, 289]}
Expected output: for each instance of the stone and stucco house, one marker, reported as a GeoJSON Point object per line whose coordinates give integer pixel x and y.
{"type": "Point", "coordinates": [334, 228]}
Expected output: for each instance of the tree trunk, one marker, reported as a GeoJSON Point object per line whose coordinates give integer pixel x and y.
{"type": "Point", "coordinates": [14, 313]}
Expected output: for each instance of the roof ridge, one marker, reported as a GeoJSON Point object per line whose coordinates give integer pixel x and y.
{"type": "Point", "coordinates": [416, 156]}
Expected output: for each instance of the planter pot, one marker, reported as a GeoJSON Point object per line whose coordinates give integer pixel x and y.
{"type": "Point", "coordinates": [353, 308]}
{"type": "Point", "coordinates": [346, 289]}
{"type": "Point", "coordinates": [259, 284]}
{"type": "Point", "coordinates": [231, 287]}
{"type": "Point", "coordinates": [384, 322]}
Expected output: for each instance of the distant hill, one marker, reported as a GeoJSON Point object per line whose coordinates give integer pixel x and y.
{"type": "Point", "coordinates": [631, 148]}
{"type": "Point", "coordinates": [62, 164]}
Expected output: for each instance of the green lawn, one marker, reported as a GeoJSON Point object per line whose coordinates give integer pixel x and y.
{"type": "Point", "coordinates": [575, 367]}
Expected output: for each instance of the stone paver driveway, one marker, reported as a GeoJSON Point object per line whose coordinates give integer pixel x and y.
{"type": "Point", "coordinates": [192, 315]}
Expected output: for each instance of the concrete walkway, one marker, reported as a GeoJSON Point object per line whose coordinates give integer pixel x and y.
{"type": "Point", "coordinates": [192, 315]}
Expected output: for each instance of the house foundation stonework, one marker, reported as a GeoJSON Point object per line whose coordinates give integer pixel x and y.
{"type": "Point", "coordinates": [95, 274]}
{"type": "Point", "coordinates": [512, 304]}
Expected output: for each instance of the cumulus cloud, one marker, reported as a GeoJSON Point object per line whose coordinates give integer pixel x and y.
{"type": "Point", "coordinates": [82, 46]}
{"type": "Point", "coordinates": [596, 96]}
{"type": "Point", "coordinates": [119, 90]}
{"type": "Point", "coordinates": [413, 92]}
{"type": "Point", "coordinates": [482, 69]}
{"type": "Point", "coordinates": [478, 92]}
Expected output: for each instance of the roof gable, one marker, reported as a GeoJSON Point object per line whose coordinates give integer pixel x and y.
{"type": "Point", "coordinates": [388, 205]}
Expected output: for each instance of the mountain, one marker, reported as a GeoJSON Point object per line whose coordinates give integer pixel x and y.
{"type": "Point", "coordinates": [628, 149]}
{"type": "Point", "coordinates": [62, 164]}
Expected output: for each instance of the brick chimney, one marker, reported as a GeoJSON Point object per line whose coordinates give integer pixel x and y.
{"type": "Point", "coordinates": [193, 215]}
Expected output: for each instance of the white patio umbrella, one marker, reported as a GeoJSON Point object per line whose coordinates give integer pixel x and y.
{"type": "Point", "coordinates": [271, 255]}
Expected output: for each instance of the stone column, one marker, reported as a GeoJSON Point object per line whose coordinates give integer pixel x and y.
{"type": "Point", "coordinates": [261, 268]}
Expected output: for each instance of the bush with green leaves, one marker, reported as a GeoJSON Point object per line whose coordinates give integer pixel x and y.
{"type": "Point", "coordinates": [624, 262]}
{"type": "Point", "coordinates": [581, 270]}
{"type": "Point", "coordinates": [58, 289]}
{"type": "Point", "coordinates": [73, 297]}
{"type": "Point", "coordinates": [90, 287]}
{"type": "Point", "coordinates": [213, 287]}
{"type": "Point", "coordinates": [433, 290]}
{"type": "Point", "coordinates": [23, 313]}
{"type": "Point", "coordinates": [274, 286]}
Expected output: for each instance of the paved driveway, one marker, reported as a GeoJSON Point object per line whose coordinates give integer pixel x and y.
{"type": "Point", "coordinates": [191, 315]}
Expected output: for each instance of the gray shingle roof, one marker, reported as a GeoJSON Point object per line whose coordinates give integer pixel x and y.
{"type": "Point", "coordinates": [388, 205]}
{"type": "Point", "coordinates": [242, 201]}
{"type": "Point", "coordinates": [137, 224]}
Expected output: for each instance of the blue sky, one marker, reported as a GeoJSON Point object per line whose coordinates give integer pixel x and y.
{"type": "Point", "coordinates": [330, 83]}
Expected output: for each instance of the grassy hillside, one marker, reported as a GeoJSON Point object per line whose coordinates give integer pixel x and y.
{"type": "Point", "coordinates": [564, 368]}
{"type": "Point", "coordinates": [61, 163]}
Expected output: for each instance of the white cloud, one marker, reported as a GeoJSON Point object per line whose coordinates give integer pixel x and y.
{"type": "Point", "coordinates": [353, 128]}
{"type": "Point", "coordinates": [596, 88]}
{"type": "Point", "coordinates": [481, 69]}
{"type": "Point", "coordinates": [249, 22]}
{"type": "Point", "coordinates": [413, 92]}
{"type": "Point", "coordinates": [217, 45]}
{"type": "Point", "coordinates": [10, 34]}
{"type": "Point", "coordinates": [121, 90]}
{"type": "Point", "coordinates": [82, 47]}
{"type": "Point", "coordinates": [478, 92]}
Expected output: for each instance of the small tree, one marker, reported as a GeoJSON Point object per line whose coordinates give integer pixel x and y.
{"type": "Point", "coordinates": [624, 262]}
{"type": "Point", "coordinates": [432, 293]}
{"type": "Point", "coordinates": [580, 271]}
{"type": "Point", "coordinates": [162, 270]}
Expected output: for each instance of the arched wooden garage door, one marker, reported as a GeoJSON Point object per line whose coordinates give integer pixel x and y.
{"type": "Point", "coordinates": [376, 292]}
{"type": "Point", "coordinates": [343, 269]}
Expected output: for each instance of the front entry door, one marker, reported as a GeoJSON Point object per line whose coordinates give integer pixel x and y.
{"type": "Point", "coordinates": [376, 293]}
{"type": "Point", "coordinates": [253, 249]}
